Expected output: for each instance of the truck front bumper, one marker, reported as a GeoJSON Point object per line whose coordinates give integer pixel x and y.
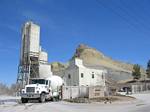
{"type": "Point", "coordinates": [30, 95]}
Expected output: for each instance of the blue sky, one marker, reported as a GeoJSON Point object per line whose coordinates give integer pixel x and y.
{"type": "Point", "coordinates": [118, 28]}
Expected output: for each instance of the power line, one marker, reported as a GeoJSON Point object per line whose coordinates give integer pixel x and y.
{"type": "Point", "coordinates": [133, 25]}
{"type": "Point", "coordinates": [133, 15]}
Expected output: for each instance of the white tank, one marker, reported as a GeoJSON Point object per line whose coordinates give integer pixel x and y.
{"type": "Point", "coordinates": [45, 71]}
{"type": "Point", "coordinates": [56, 82]}
{"type": "Point", "coordinates": [43, 57]}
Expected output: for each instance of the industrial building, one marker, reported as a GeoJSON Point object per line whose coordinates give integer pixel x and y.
{"type": "Point", "coordinates": [33, 60]}
{"type": "Point", "coordinates": [77, 74]}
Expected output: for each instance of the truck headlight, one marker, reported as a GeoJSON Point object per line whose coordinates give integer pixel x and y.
{"type": "Point", "coordinates": [23, 91]}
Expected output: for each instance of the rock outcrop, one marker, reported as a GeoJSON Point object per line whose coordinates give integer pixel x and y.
{"type": "Point", "coordinates": [93, 57]}
{"type": "Point", "coordinates": [57, 66]}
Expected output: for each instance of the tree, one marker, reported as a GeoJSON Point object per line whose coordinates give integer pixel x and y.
{"type": "Point", "coordinates": [136, 72]}
{"type": "Point", "coordinates": [148, 69]}
{"type": "Point", "coordinates": [6, 90]}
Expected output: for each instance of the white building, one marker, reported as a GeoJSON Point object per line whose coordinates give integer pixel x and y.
{"type": "Point", "coordinates": [77, 74]}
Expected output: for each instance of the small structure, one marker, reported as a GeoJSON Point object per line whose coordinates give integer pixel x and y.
{"type": "Point", "coordinates": [135, 86]}
{"type": "Point", "coordinates": [69, 92]}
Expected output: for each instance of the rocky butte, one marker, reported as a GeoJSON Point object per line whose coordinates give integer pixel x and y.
{"type": "Point", "coordinates": [117, 70]}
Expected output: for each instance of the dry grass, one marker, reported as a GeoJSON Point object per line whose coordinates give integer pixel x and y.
{"type": "Point", "coordinates": [101, 99]}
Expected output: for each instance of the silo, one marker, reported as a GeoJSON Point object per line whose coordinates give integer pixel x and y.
{"type": "Point", "coordinates": [30, 40]}
{"type": "Point", "coordinates": [34, 38]}
{"type": "Point", "coordinates": [29, 57]}
{"type": "Point", "coordinates": [45, 71]}
{"type": "Point", "coordinates": [43, 57]}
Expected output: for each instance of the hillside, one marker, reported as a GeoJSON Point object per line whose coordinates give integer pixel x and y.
{"type": "Point", "coordinates": [57, 66]}
{"type": "Point", "coordinates": [92, 56]}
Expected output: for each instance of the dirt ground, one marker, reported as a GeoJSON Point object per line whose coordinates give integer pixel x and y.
{"type": "Point", "coordinates": [110, 99]}
{"type": "Point", "coordinates": [141, 104]}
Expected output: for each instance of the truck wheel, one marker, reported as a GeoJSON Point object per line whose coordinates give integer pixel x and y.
{"type": "Point", "coordinates": [55, 99]}
{"type": "Point", "coordinates": [24, 100]}
{"type": "Point", "coordinates": [42, 98]}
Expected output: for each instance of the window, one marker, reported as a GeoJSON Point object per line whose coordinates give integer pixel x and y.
{"type": "Point", "coordinates": [82, 75]}
{"type": "Point", "coordinates": [69, 76]}
{"type": "Point", "coordinates": [92, 75]}
{"type": "Point", "coordinates": [46, 82]}
{"type": "Point", "coordinates": [102, 77]}
{"type": "Point", "coordinates": [49, 83]}
{"type": "Point", "coordinates": [38, 81]}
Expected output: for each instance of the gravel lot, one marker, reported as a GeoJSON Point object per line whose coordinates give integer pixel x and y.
{"type": "Point", "coordinates": [142, 104]}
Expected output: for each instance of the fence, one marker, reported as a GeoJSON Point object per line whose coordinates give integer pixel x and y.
{"type": "Point", "coordinates": [69, 92]}
{"type": "Point", "coordinates": [96, 91]}
{"type": "Point", "coordinates": [136, 88]}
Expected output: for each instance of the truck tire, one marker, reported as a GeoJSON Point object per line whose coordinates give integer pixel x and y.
{"type": "Point", "coordinates": [53, 99]}
{"type": "Point", "coordinates": [42, 98]}
{"type": "Point", "coordinates": [56, 98]}
{"type": "Point", "coordinates": [24, 100]}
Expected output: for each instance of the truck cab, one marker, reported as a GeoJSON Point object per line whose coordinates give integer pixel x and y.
{"type": "Point", "coordinates": [39, 89]}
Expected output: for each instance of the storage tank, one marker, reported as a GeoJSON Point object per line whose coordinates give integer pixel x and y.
{"type": "Point", "coordinates": [43, 57]}
{"type": "Point", "coordinates": [56, 82]}
{"type": "Point", "coordinates": [34, 35]}
{"type": "Point", "coordinates": [30, 40]}
{"type": "Point", "coordinates": [45, 71]}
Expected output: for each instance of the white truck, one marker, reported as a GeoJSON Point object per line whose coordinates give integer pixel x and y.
{"type": "Point", "coordinates": [42, 89]}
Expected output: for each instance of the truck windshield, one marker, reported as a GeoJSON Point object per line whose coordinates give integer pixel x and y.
{"type": "Point", "coordinates": [37, 81]}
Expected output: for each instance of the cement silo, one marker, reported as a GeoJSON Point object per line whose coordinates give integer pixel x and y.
{"type": "Point", "coordinates": [44, 70]}
{"type": "Point", "coordinates": [43, 57]}
{"type": "Point", "coordinates": [33, 60]}
{"type": "Point", "coordinates": [44, 67]}
{"type": "Point", "coordinates": [29, 57]}
{"type": "Point", "coordinates": [30, 40]}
